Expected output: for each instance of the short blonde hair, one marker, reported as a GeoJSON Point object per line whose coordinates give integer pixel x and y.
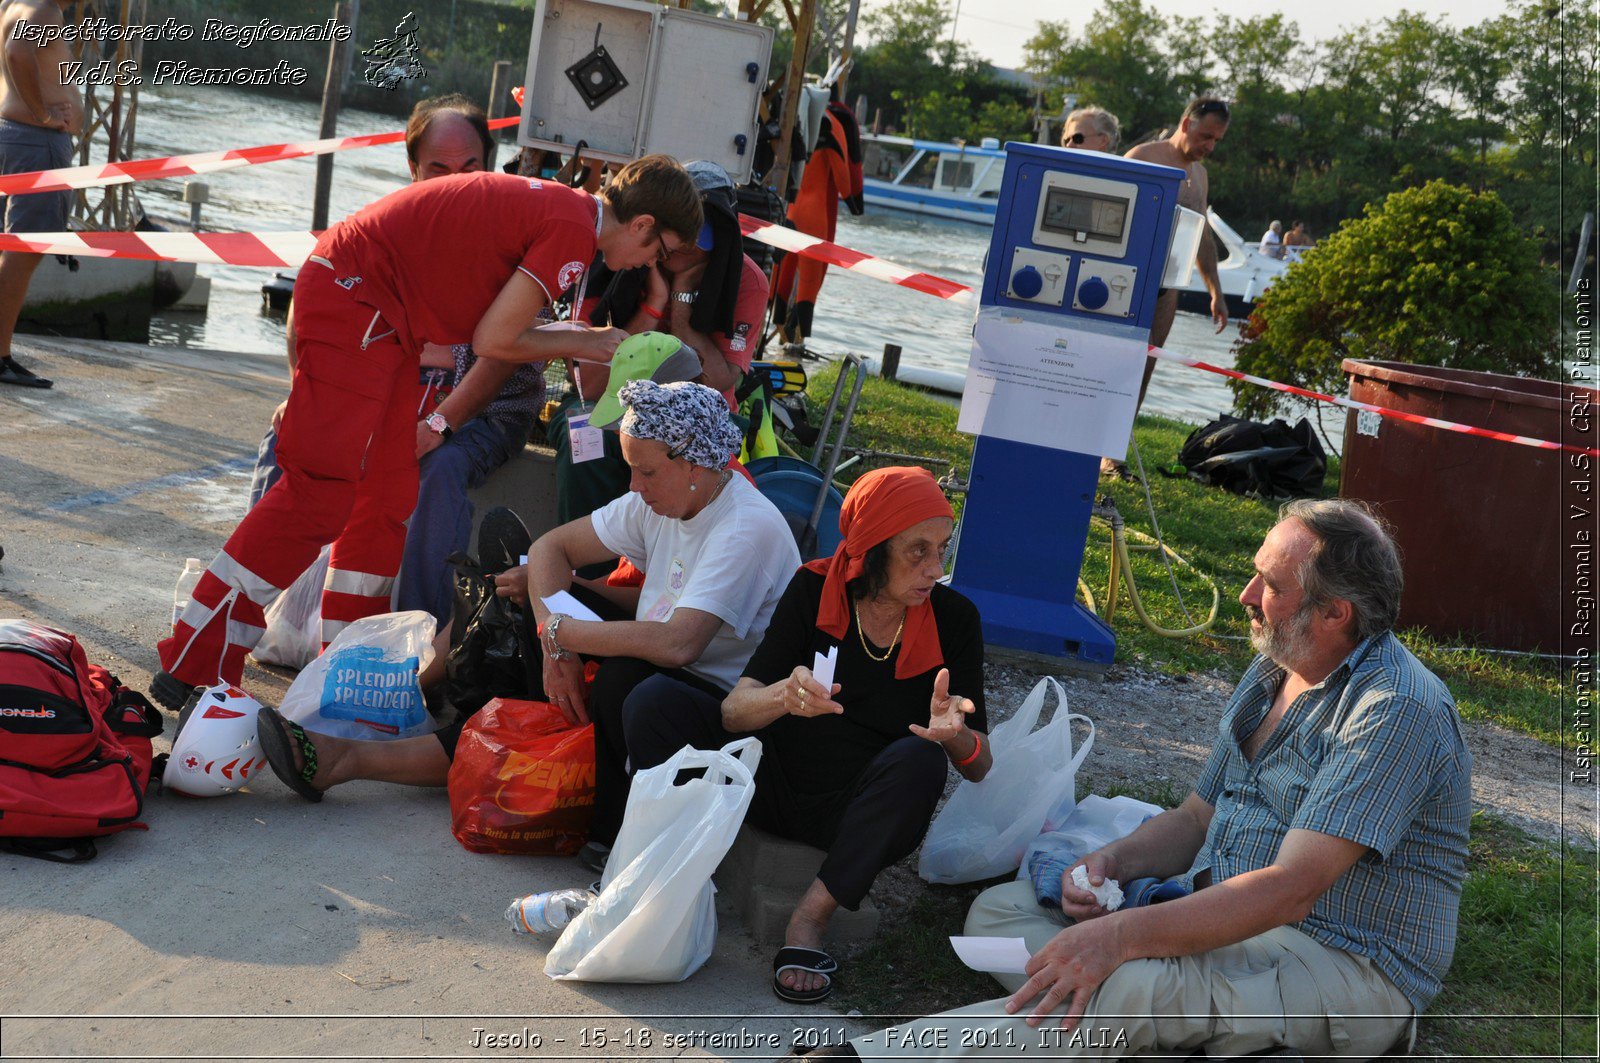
{"type": "Point", "coordinates": [1103, 121]}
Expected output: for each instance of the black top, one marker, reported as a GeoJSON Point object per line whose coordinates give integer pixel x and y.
{"type": "Point", "coordinates": [824, 754]}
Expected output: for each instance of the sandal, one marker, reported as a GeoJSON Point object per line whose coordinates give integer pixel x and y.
{"type": "Point", "coordinates": [810, 961]}
{"type": "Point", "coordinates": [274, 733]}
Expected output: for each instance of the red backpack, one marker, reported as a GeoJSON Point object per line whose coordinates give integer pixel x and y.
{"type": "Point", "coordinates": [74, 746]}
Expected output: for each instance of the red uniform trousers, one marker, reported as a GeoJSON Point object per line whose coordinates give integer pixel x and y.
{"type": "Point", "coordinates": [347, 448]}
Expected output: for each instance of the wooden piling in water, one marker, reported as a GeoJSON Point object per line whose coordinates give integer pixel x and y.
{"type": "Point", "coordinates": [345, 12]}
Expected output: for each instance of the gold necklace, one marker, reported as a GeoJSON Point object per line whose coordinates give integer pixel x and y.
{"type": "Point", "coordinates": [861, 634]}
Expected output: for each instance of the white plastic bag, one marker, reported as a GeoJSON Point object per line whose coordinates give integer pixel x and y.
{"type": "Point", "coordinates": [656, 918]}
{"type": "Point", "coordinates": [294, 621]}
{"type": "Point", "coordinates": [1094, 824]}
{"type": "Point", "coordinates": [365, 685]}
{"type": "Point", "coordinates": [983, 829]}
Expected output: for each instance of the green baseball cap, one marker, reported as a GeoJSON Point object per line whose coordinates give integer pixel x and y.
{"type": "Point", "coordinates": [654, 356]}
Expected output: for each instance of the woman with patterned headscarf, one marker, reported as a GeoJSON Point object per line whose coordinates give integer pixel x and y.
{"type": "Point", "coordinates": [856, 768]}
{"type": "Point", "coordinates": [716, 556]}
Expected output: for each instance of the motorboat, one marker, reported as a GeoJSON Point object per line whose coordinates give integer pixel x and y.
{"type": "Point", "coordinates": [1241, 267]}
{"type": "Point", "coordinates": [944, 180]}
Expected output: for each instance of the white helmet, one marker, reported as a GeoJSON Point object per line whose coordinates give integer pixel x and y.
{"type": "Point", "coordinates": [216, 750]}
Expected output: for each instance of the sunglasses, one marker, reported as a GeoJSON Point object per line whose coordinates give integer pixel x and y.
{"type": "Point", "coordinates": [1216, 107]}
{"type": "Point", "coordinates": [1076, 138]}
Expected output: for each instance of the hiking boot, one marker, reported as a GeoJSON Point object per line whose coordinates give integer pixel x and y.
{"type": "Point", "coordinates": [13, 372]}
{"type": "Point", "coordinates": [172, 694]}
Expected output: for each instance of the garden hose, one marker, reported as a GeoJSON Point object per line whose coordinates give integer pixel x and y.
{"type": "Point", "coordinates": [1121, 566]}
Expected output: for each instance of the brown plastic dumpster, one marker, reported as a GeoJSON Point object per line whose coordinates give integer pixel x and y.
{"type": "Point", "coordinates": [1479, 521]}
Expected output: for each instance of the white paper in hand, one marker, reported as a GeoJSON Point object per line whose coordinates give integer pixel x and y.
{"type": "Point", "coordinates": [563, 602]}
{"type": "Point", "coordinates": [992, 955]}
{"type": "Point", "coordinates": [822, 667]}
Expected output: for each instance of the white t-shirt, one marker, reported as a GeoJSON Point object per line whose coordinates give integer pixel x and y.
{"type": "Point", "coordinates": [1269, 244]}
{"type": "Point", "coordinates": [733, 559]}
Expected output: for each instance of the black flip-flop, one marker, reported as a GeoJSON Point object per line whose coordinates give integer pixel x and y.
{"type": "Point", "coordinates": [810, 961]}
{"type": "Point", "coordinates": [274, 733]}
{"type": "Point", "coordinates": [13, 372]}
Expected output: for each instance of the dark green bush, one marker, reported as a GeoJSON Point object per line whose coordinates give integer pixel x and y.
{"type": "Point", "coordinates": [1435, 275]}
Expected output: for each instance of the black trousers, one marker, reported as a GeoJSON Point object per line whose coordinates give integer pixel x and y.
{"type": "Point", "coordinates": [616, 687]}
{"type": "Point", "coordinates": [878, 821]}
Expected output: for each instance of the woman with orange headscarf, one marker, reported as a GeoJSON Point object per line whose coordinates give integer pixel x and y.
{"type": "Point", "coordinates": [857, 769]}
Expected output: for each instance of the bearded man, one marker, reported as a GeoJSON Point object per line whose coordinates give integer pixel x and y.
{"type": "Point", "coordinates": [1327, 838]}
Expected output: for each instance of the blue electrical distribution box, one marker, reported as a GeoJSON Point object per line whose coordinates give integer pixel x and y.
{"type": "Point", "coordinates": [1080, 241]}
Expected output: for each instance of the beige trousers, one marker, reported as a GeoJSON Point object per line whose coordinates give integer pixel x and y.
{"type": "Point", "coordinates": [1277, 989]}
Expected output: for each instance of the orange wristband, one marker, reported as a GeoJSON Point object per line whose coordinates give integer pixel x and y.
{"type": "Point", "coordinates": [653, 313]}
{"type": "Point", "coordinates": [977, 747]}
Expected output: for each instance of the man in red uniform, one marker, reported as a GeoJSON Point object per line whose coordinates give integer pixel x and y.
{"type": "Point", "coordinates": [468, 258]}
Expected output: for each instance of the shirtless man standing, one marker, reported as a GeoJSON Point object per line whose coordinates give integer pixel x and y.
{"type": "Point", "coordinates": [1201, 129]}
{"type": "Point", "coordinates": [39, 116]}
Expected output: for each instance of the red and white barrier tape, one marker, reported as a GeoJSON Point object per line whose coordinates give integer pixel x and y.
{"type": "Point", "coordinates": [116, 173]}
{"type": "Point", "coordinates": [838, 255]}
{"type": "Point", "coordinates": [273, 250]}
{"type": "Point", "coordinates": [1382, 411]}
{"type": "Point", "coordinates": [289, 249]}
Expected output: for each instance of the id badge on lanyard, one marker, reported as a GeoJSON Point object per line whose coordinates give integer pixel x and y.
{"type": "Point", "coordinates": [584, 440]}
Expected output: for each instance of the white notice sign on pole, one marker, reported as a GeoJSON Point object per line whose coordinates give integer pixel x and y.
{"type": "Point", "coordinates": [1035, 381]}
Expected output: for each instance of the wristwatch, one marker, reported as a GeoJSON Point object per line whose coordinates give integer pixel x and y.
{"type": "Point", "coordinates": [439, 426]}
{"type": "Point", "coordinates": [684, 297]}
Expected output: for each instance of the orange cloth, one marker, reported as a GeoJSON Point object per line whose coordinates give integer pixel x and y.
{"type": "Point", "coordinates": [881, 505]}
{"type": "Point", "coordinates": [815, 211]}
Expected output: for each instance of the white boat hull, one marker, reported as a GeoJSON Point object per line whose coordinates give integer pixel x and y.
{"type": "Point", "coordinates": [924, 201]}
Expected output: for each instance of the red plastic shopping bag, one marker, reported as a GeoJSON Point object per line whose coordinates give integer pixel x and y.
{"type": "Point", "coordinates": [522, 780]}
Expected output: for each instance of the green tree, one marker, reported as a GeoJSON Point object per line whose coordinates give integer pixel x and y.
{"type": "Point", "coordinates": [1550, 171]}
{"type": "Point", "coordinates": [926, 84]}
{"type": "Point", "coordinates": [1252, 174]}
{"type": "Point", "coordinates": [1436, 275]}
{"type": "Point", "coordinates": [1118, 64]}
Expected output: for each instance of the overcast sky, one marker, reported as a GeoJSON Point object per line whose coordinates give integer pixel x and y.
{"type": "Point", "coordinates": [998, 28]}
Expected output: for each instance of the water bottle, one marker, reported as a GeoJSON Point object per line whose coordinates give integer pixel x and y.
{"type": "Point", "coordinates": [541, 913]}
{"type": "Point", "coordinates": [193, 569]}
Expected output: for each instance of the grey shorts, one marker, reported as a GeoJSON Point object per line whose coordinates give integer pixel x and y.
{"type": "Point", "coordinates": [24, 149]}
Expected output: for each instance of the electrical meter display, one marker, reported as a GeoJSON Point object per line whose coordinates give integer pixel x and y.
{"type": "Point", "coordinates": [1069, 211]}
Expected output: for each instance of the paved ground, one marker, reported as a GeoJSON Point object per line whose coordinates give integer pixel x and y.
{"type": "Point", "coordinates": [257, 924]}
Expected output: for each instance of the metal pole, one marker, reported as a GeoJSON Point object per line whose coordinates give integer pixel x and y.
{"type": "Point", "coordinates": [848, 48]}
{"type": "Point", "coordinates": [345, 13]}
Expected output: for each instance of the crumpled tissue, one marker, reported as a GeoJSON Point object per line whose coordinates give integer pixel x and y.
{"type": "Point", "coordinates": [1108, 894]}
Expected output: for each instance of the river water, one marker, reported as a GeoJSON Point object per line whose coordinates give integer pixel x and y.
{"type": "Point", "coordinates": [854, 313]}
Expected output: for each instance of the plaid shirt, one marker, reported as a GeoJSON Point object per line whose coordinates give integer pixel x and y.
{"type": "Point", "coordinates": [1373, 754]}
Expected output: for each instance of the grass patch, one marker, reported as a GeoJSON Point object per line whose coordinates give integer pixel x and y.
{"type": "Point", "coordinates": [1523, 980]}
{"type": "Point", "coordinates": [1218, 534]}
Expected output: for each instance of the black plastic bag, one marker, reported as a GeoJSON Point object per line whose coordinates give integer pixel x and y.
{"type": "Point", "coordinates": [1271, 461]}
{"type": "Point", "coordinates": [494, 655]}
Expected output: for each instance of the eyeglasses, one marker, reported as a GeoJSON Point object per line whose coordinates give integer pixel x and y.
{"type": "Point", "coordinates": [1216, 107]}
{"type": "Point", "coordinates": [663, 250]}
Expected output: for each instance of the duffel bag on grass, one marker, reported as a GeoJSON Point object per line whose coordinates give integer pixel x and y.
{"type": "Point", "coordinates": [74, 746]}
